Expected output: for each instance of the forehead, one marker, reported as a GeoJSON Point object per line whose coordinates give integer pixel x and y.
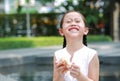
{"type": "Point", "coordinates": [72, 15]}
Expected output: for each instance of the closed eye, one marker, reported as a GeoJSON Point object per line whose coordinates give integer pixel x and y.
{"type": "Point", "coordinates": [68, 21]}
{"type": "Point", "coordinates": [77, 21]}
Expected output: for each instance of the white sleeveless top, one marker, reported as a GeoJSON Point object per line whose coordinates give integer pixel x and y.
{"type": "Point", "coordinates": [81, 58]}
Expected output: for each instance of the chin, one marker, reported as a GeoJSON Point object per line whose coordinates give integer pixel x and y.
{"type": "Point", "coordinates": [75, 35]}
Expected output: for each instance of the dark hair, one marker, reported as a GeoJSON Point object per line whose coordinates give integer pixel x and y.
{"type": "Point", "coordinates": [84, 36]}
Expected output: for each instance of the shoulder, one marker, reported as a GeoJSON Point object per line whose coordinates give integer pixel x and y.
{"type": "Point", "coordinates": [90, 53]}
{"type": "Point", "coordinates": [90, 50]}
{"type": "Point", "coordinates": [59, 53]}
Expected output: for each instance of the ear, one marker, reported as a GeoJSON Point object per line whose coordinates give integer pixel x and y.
{"type": "Point", "coordinates": [86, 30]}
{"type": "Point", "coordinates": [61, 32]}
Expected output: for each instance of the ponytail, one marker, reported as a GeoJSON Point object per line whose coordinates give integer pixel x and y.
{"type": "Point", "coordinates": [85, 40]}
{"type": "Point", "coordinates": [64, 42]}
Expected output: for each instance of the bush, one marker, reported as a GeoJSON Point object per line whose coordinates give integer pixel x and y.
{"type": "Point", "coordinates": [98, 38]}
{"type": "Point", "coordinates": [24, 42]}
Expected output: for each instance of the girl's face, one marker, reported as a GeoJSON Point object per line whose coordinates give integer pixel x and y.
{"type": "Point", "coordinates": [73, 25]}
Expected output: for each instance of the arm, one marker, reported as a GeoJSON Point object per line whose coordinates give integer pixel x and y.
{"type": "Point", "coordinates": [93, 71]}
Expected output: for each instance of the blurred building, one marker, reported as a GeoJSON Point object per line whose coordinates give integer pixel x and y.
{"type": "Point", "coordinates": [18, 16]}
{"type": "Point", "coordinates": [2, 10]}
{"type": "Point", "coordinates": [12, 6]}
{"type": "Point", "coordinates": [6, 6]}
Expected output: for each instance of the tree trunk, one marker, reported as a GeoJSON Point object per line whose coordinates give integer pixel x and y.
{"type": "Point", "coordinates": [116, 22]}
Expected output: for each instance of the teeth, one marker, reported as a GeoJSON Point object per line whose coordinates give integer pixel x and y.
{"type": "Point", "coordinates": [73, 30]}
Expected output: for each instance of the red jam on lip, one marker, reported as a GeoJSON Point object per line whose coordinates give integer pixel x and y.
{"type": "Point", "coordinates": [73, 29]}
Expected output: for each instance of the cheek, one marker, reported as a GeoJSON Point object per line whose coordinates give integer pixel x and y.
{"type": "Point", "coordinates": [65, 25]}
{"type": "Point", "coordinates": [81, 25]}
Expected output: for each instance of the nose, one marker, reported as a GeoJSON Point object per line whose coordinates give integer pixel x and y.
{"type": "Point", "coordinates": [73, 24]}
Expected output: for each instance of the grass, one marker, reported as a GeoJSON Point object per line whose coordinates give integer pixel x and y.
{"type": "Point", "coordinates": [24, 42]}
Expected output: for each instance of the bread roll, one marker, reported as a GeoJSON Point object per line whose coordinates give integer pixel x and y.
{"type": "Point", "coordinates": [65, 63]}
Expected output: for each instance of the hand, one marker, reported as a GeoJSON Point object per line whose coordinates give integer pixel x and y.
{"type": "Point", "coordinates": [61, 68]}
{"type": "Point", "coordinates": [75, 71]}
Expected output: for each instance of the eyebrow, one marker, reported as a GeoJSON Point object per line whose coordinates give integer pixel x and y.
{"type": "Point", "coordinates": [71, 18]}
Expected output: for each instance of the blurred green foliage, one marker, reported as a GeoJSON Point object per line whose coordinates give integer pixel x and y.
{"type": "Point", "coordinates": [24, 42]}
{"type": "Point", "coordinates": [41, 24]}
{"type": "Point", "coordinates": [46, 24]}
{"type": "Point", "coordinates": [99, 38]}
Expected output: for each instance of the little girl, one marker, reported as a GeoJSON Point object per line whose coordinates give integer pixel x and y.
{"type": "Point", "coordinates": [76, 61]}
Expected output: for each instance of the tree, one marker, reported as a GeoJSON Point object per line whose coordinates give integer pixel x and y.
{"type": "Point", "coordinates": [95, 11]}
{"type": "Point", "coordinates": [87, 7]}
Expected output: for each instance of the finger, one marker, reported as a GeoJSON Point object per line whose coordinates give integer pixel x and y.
{"type": "Point", "coordinates": [60, 68]}
{"type": "Point", "coordinates": [75, 67]}
{"type": "Point", "coordinates": [75, 74]}
{"type": "Point", "coordinates": [58, 64]}
{"type": "Point", "coordinates": [75, 71]}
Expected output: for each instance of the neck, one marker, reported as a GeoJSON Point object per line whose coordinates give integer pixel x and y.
{"type": "Point", "coordinates": [73, 46]}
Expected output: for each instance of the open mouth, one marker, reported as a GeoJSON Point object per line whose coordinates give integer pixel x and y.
{"type": "Point", "coordinates": [73, 29]}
